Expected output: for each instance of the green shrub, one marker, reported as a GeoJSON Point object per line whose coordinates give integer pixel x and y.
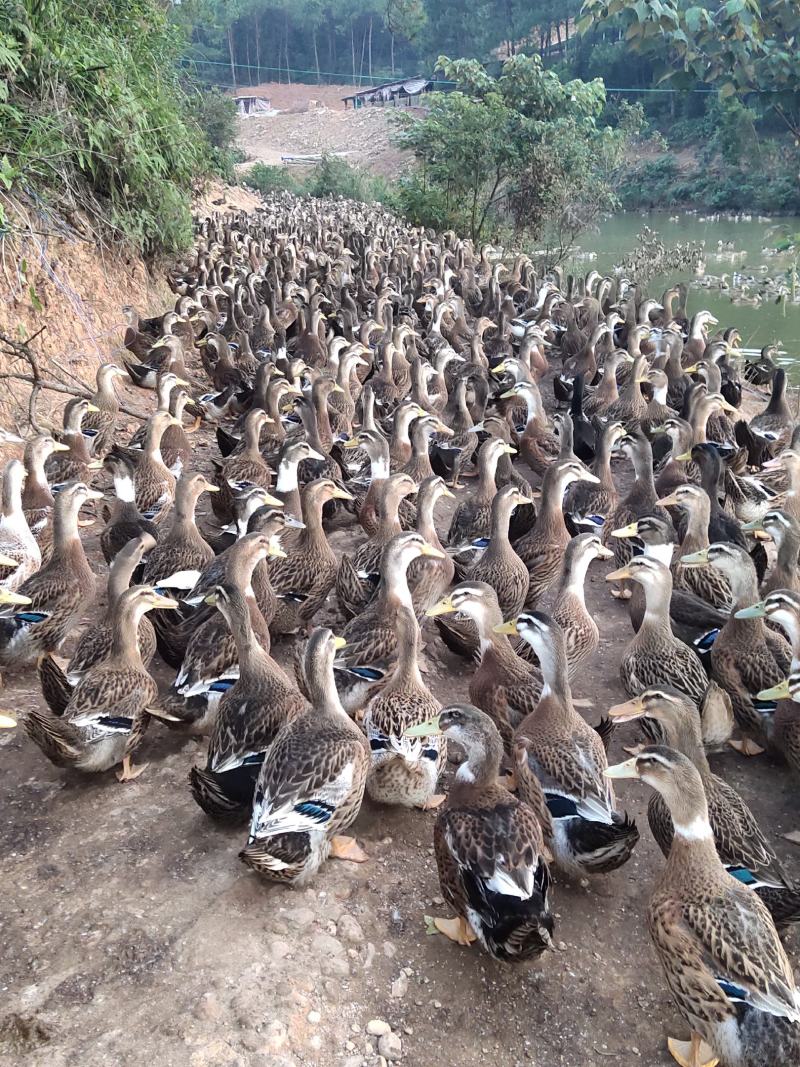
{"type": "Point", "coordinates": [93, 115]}
{"type": "Point", "coordinates": [267, 179]}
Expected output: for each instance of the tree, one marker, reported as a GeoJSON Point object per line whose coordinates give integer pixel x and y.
{"type": "Point", "coordinates": [523, 151]}
{"type": "Point", "coordinates": [737, 46]}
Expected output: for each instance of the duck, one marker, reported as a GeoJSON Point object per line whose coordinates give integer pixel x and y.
{"type": "Point", "coordinates": [76, 463]}
{"type": "Point", "coordinates": [403, 771]}
{"type": "Point", "coordinates": [101, 423]}
{"type": "Point", "coordinates": [586, 504]}
{"type": "Point", "coordinates": [658, 410]}
{"type": "Point", "coordinates": [781, 607]}
{"type": "Point", "coordinates": [422, 429]}
{"type": "Point", "coordinates": [303, 580]}
{"type": "Point", "coordinates": [741, 845]}
{"type": "Point", "coordinates": [454, 446]}
{"type": "Point", "coordinates": [641, 499]}
{"type": "Point", "coordinates": [631, 407]}
{"type": "Point", "coordinates": [372, 635]}
{"type": "Point", "coordinates": [428, 577]}
{"type": "Point", "coordinates": [109, 710]}
{"type": "Point", "coordinates": [538, 446]}
{"type": "Point", "coordinates": [357, 577]}
{"type": "Point", "coordinates": [245, 468]}
{"type": "Point", "coordinates": [746, 657]}
{"type": "Point", "coordinates": [94, 644]}
{"type": "Point", "coordinates": [499, 565]}
{"type": "Point", "coordinates": [721, 954]}
{"type": "Point", "coordinates": [207, 665]}
{"type": "Point", "coordinates": [542, 549]}
{"type": "Point", "coordinates": [693, 620]}
{"type": "Point", "coordinates": [250, 714]}
{"type": "Point", "coordinates": [775, 422]}
{"type": "Point", "coordinates": [567, 756]}
{"type": "Point", "coordinates": [287, 482]}
{"type": "Point", "coordinates": [37, 499]}
{"type": "Point", "coordinates": [301, 805]}
{"type": "Point", "coordinates": [473, 517]}
{"type": "Point", "coordinates": [504, 685]}
{"type": "Point", "coordinates": [581, 634]}
{"type": "Point", "coordinates": [607, 392]}
{"type": "Point", "coordinates": [58, 593]}
{"type": "Point", "coordinates": [153, 483]}
{"type": "Point", "coordinates": [125, 521]}
{"type": "Point", "coordinates": [708, 583]}
{"type": "Point", "coordinates": [655, 656]}
{"type": "Point", "coordinates": [489, 846]}
{"type": "Point", "coordinates": [181, 553]}
{"type": "Point", "coordinates": [784, 530]}
{"type": "Point", "coordinates": [17, 544]}
{"type": "Point", "coordinates": [583, 432]}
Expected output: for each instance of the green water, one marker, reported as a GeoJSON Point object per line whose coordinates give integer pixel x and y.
{"type": "Point", "coordinates": [759, 325]}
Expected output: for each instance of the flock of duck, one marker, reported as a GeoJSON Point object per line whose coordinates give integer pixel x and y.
{"type": "Point", "coordinates": [357, 373]}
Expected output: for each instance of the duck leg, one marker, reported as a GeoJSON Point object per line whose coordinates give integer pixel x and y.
{"type": "Point", "coordinates": [347, 848]}
{"type": "Point", "coordinates": [694, 1053]}
{"type": "Point", "coordinates": [458, 930]}
{"type": "Point", "coordinates": [746, 747]}
{"type": "Point", "coordinates": [130, 772]}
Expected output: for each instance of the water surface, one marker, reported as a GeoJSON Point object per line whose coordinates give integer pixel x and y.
{"type": "Point", "coordinates": [753, 243]}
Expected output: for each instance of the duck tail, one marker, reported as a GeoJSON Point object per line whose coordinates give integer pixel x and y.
{"type": "Point", "coordinates": [283, 858]}
{"type": "Point", "coordinates": [55, 688]}
{"type": "Point", "coordinates": [209, 792]}
{"type": "Point", "coordinates": [783, 904]}
{"type": "Point", "coordinates": [59, 740]}
{"type": "Point", "coordinates": [606, 845]}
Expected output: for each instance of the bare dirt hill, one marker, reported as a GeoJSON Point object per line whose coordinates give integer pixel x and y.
{"type": "Point", "coordinates": [312, 119]}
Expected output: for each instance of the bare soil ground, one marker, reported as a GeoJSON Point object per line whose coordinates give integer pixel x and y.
{"type": "Point", "coordinates": [132, 934]}
{"type": "Point", "coordinates": [312, 120]}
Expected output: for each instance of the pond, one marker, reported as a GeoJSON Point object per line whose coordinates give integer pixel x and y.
{"type": "Point", "coordinates": [742, 272]}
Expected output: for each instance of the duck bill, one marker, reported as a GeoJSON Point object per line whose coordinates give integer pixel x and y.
{"type": "Point", "coordinates": [271, 501]}
{"type": "Point", "coordinates": [696, 559]}
{"type": "Point", "coordinates": [92, 408]}
{"type": "Point", "coordinates": [424, 729]}
{"type": "Point", "coordinates": [601, 552]}
{"type": "Point", "coordinates": [511, 451]}
{"type": "Point", "coordinates": [631, 530]}
{"type": "Point", "coordinates": [755, 611]}
{"type": "Point", "coordinates": [628, 769]}
{"type": "Point", "coordinates": [339, 643]}
{"type": "Point", "coordinates": [670, 501]}
{"type": "Point", "coordinates": [509, 627]}
{"type": "Point", "coordinates": [509, 392]}
{"type": "Point", "coordinates": [341, 494]}
{"type": "Point", "coordinates": [163, 603]}
{"type": "Point", "coordinates": [18, 599]}
{"type": "Point", "coordinates": [211, 599]}
{"type": "Point", "coordinates": [59, 446]}
{"type": "Point", "coordinates": [429, 550]}
{"type": "Point", "coordinates": [275, 549]}
{"type": "Point", "coordinates": [7, 722]}
{"type": "Point", "coordinates": [209, 488]}
{"type": "Point", "coordinates": [8, 561]}
{"type": "Point", "coordinates": [446, 492]}
{"type": "Point", "coordinates": [587, 476]}
{"type": "Point", "coordinates": [352, 442]}
{"type": "Point", "coordinates": [630, 709]}
{"type": "Point", "coordinates": [444, 607]}
{"type": "Point", "coordinates": [684, 457]}
{"type": "Point", "coordinates": [776, 692]}
{"type": "Point", "coordinates": [618, 575]}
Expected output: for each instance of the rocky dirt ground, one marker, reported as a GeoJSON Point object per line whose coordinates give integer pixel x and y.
{"type": "Point", "coordinates": [311, 119]}
{"type": "Point", "coordinates": [132, 934]}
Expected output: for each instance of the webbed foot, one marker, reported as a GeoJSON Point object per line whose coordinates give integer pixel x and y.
{"type": "Point", "coordinates": [458, 930]}
{"type": "Point", "coordinates": [347, 848]}
{"type": "Point", "coordinates": [746, 747]}
{"type": "Point", "coordinates": [694, 1053]}
{"type": "Point", "coordinates": [129, 772]}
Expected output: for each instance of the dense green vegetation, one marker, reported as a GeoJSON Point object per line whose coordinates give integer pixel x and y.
{"type": "Point", "coordinates": [93, 115]}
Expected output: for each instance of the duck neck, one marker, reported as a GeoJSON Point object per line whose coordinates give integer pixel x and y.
{"type": "Point", "coordinates": [657, 596]}
{"type": "Point", "coordinates": [481, 767]}
{"type": "Point", "coordinates": [696, 536]}
{"type": "Point", "coordinates": [574, 578]}
{"type": "Point", "coordinates": [406, 672]}
{"type": "Point", "coordinates": [487, 484]}
{"type": "Point", "coordinates": [124, 632]}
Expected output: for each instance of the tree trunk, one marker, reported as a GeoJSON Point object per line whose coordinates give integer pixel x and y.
{"type": "Point", "coordinates": [316, 53]}
{"type": "Point", "coordinates": [370, 48]}
{"type": "Point", "coordinates": [391, 40]}
{"type": "Point", "coordinates": [249, 68]}
{"type": "Point", "coordinates": [230, 53]}
{"type": "Point", "coordinates": [286, 49]}
{"type": "Point", "coordinates": [258, 49]}
{"type": "Point", "coordinates": [363, 50]}
{"type": "Point", "coordinates": [353, 50]}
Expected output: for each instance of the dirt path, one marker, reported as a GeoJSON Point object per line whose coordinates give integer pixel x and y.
{"type": "Point", "coordinates": [132, 933]}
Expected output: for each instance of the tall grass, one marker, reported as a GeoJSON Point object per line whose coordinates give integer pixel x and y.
{"type": "Point", "coordinates": [93, 116]}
